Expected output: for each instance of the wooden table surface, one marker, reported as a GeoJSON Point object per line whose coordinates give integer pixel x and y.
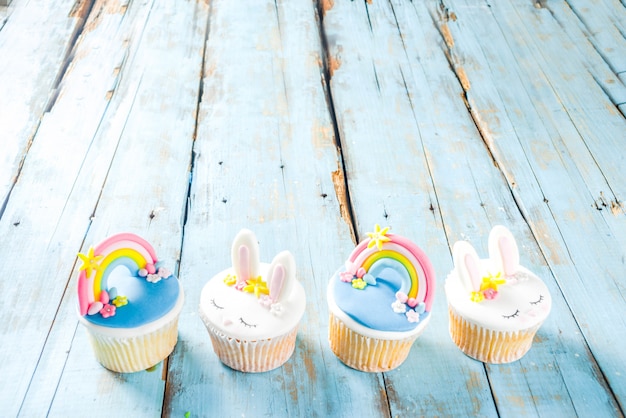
{"type": "Point", "coordinates": [309, 122]}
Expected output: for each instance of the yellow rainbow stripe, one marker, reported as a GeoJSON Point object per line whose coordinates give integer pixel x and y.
{"type": "Point", "coordinates": [402, 260]}
{"type": "Point", "coordinates": [128, 253]}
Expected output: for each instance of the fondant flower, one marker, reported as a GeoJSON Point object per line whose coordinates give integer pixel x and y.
{"type": "Point", "coordinates": [91, 262]}
{"type": "Point", "coordinates": [276, 309]}
{"type": "Point", "coordinates": [378, 237]}
{"type": "Point", "coordinates": [107, 311]}
{"type": "Point", "coordinates": [230, 280]}
{"type": "Point", "coordinates": [346, 276]}
{"type": "Point", "coordinates": [164, 272]}
{"type": "Point", "coordinates": [398, 307]}
{"type": "Point", "coordinates": [359, 284]}
{"type": "Point", "coordinates": [412, 316]}
{"type": "Point", "coordinates": [120, 301]}
{"type": "Point", "coordinates": [401, 296]}
{"type": "Point", "coordinates": [153, 278]}
{"type": "Point", "coordinates": [240, 285]}
{"type": "Point", "coordinates": [256, 286]}
{"type": "Point", "coordinates": [477, 297]}
{"type": "Point", "coordinates": [490, 293]}
{"type": "Point", "coordinates": [265, 301]}
{"type": "Point", "coordinates": [492, 282]}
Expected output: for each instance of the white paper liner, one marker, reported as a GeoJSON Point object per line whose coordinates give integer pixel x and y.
{"type": "Point", "coordinates": [366, 353]}
{"type": "Point", "coordinates": [253, 356]}
{"type": "Point", "coordinates": [132, 354]}
{"type": "Point", "coordinates": [487, 345]}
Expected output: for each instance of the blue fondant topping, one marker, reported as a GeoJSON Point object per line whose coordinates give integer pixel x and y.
{"type": "Point", "coordinates": [371, 307]}
{"type": "Point", "coordinates": [147, 301]}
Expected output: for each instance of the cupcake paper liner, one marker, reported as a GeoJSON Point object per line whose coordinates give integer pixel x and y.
{"type": "Point", "coordinates": [366, 353]}
{"type": "Point", "coordinates": [253, 356]}
{"type": "Point", "coordinates": [487, 345]}
{"type": "Point", "coordinates": [132, 354]}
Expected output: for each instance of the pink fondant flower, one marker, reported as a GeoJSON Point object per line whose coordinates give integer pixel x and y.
{"type": "Point", "coordinates": [346, 276]}
{"type": "Point", "coordinates": [107, 311]}
{"type": "Point", "coordinates": [401, 296]}
{"type": "Point", "coordinates": [240, 285]}
{"type": "Point", "coordinates": [412, 316]}
{"type": "Point", "coordinates": [164, 272]}
{"type": "Point", "coordinates": [490, 293]}
{"type": "Point", "coordinates": [265, 301]}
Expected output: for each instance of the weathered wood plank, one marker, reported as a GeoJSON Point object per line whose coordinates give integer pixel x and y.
{"type": "Point", "coordinates": [380, 138]}
{"type": "Point", "coordinates": [130, 129]}
{"type": "Point", "coordinates": [265, 159]}
{"type": "Point", "coordinates": [576, 239]}
{"type": "Point", "coordinates": [29, 69]}
{"type": "Point", "coordinates": [450, 145]}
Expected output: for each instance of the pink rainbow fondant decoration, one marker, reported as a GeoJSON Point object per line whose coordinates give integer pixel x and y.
{"type": "Point", "coordinates": [125, 249]}
{"type": "Point", "coordinates": [419, 283]}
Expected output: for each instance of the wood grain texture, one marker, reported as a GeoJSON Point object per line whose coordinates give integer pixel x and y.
{"type": "Point", "coordinates": [554, 202]}
{"type": "Point", "coordinates": [29, 71]}
{"type": "Point", "coordinates": [268, 166]}
{"type": "Point", "coordinates": [309, 122]}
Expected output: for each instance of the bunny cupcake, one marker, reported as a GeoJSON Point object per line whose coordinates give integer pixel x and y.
{"type": "Point", "coordinates": [380, 302]}
{"type": "Point", "coordinates": [495, 305]}
{"type": "Point", "coordinates": [252, 310]}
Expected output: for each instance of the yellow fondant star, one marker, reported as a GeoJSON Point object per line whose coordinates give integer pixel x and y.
{"type": "Point", "coordinates": [492, 282]}
{"type": "Point", "coordinates": [90, 262]}
{"type": "Point", "coordinates": [378, 237]}
{"type": "Point", "coordinates": [256, 286]}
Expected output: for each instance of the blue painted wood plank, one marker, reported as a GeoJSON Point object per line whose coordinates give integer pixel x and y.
{"type": "Point", "coordinates": [28, 70]}
{"type": "Point", "coordinates": [575, 238]}
{"type": "Point", "coordinates": [130, 196]}
{"type": "Point", "coordinates": [265, 158]}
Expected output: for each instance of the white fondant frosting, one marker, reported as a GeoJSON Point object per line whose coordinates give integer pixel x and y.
{"type": "Point", "coordinates": [496, 293]}
{"type": "Point", "coordinates": [268, 304]}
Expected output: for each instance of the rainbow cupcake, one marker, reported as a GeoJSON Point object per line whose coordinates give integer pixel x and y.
{"type": "Point", "coordinates": [380, 302]}
{"type": "Point", "coordinates": [128, 303]}
{"type": "Point", "coordinates": [495, 305]}
{"type": "Point", "coordinates": [252, 310]}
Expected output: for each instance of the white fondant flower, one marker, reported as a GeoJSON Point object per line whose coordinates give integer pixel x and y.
{"type": "Point", "coordinates": [412, 316]}
{"type": "Point", "coordinates": [153, 278]}
{"type": "Point", "coordinates": [276, 309]}
{"type": "Point", "coordinates": [398, 307]}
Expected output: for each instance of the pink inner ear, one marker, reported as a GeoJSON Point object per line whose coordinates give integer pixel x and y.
{"type": "Point", "coordinates": [244, 264]}
{"type": "Point", "coordinates": [472, 269]}
{"type": "Point", "coordinates": [508, 253]}
{"type": "Point", "coordinates": [276, 285]}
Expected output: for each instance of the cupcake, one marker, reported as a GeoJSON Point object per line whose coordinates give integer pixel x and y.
{"type": "Point", "coordinates": [128, 303]}
{"type": "Point", "coordinates": [380, 302]}
{"type": "Point", "coordinates": [495, 305]}
{"type": "Point", "coordinates": [252, 309]}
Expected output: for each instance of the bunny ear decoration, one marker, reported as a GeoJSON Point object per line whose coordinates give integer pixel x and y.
{"type": "Point", "coordinates": [245, 255]}
{"type": "Point", "coordinates": [467, 265]}
{"type": "Point", "coordinates": [503, 250]}
{"type": "Point", "coordinates": [281, 275]}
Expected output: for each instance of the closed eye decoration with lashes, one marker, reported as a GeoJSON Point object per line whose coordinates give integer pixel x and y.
{"type": "Point", "coordinates": [251, 304]}
{"type": "Point", "coordinates": [495, 293]}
